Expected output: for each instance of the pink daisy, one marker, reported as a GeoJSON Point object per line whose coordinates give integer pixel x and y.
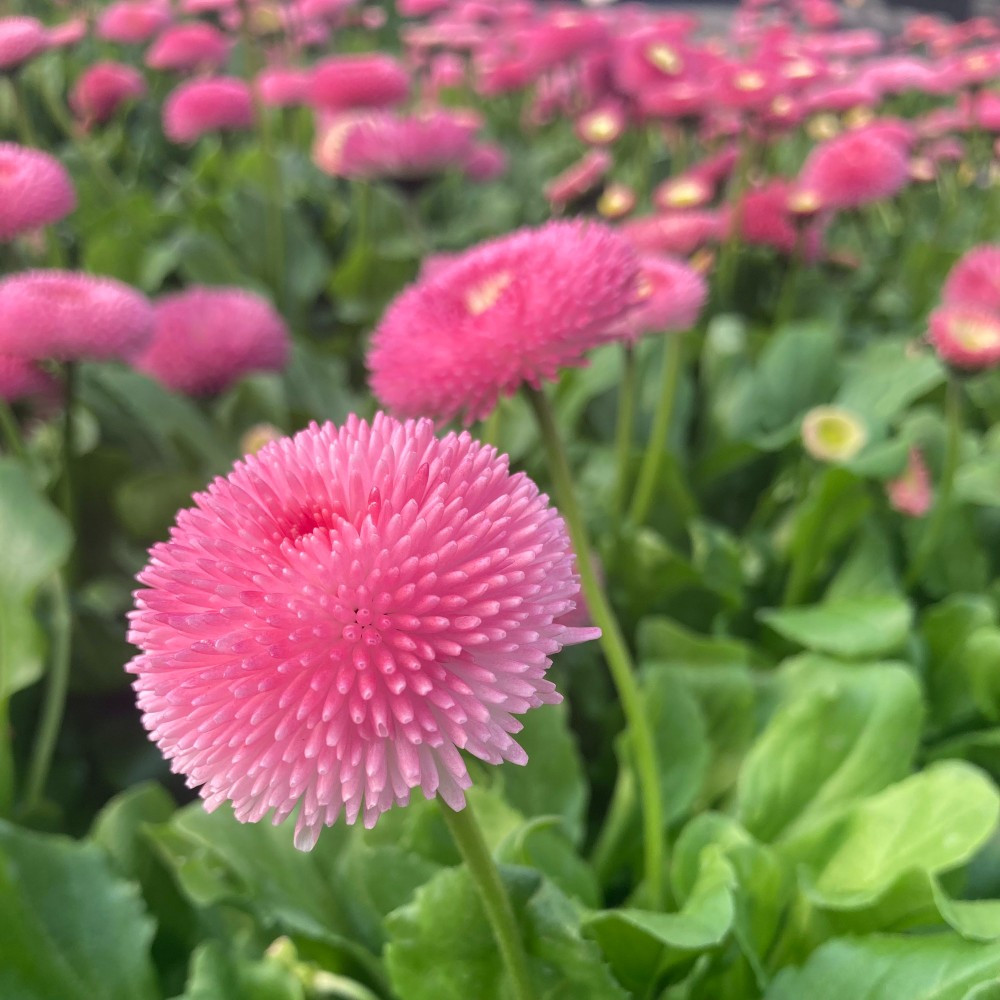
{"type": "Point", "coordinates": [511, 311]}
{"type": "Point", "coordinates": [679, 233]}
{"type": "Point", "coordinates": [35, 190]}
{"type": "Point", "coordinates": [210, 105]}
{"type": "Point", "coordinates": [580, 179]}
{"type": "Point", "coordinates": [68, 33]}
{"type": "Point", "coordinates": [103, 88]}
{"type": "Point", "coordinates": [911, 493]}
{"type": "Point", "coordinates": [280, 86]}
{"type": "Point", "coordinates": [207, 338]}
{"type": "Point", "coordinates": [21, 38]}
{"type": "Point", "coordinates": [68, 315]}
{"type": "Point", "coordinates": [343, 83]}
{"type": "Point", "coordinates": [975, 279]}
{"type": "Point", "coordinates": [966, 336]}
{"type": "Point", "coordinates": [671, 294]}
{"type": "Point", "coordinates": [330, 624]}
{"type": "Point", "coordinates": [20, 379]}
{"type": "Point", "coordinates": [132, 21]}
{"type": "Point", "coordinates": [187, 47]}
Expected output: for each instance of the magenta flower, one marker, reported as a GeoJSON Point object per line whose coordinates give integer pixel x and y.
{"type": "Point", "coordinates": [103, 88]}
{"type": "Point", "coordinates": [21, 38]}
{"type": "Point", "coordinates": [346, 83]}
{"type": "Point", "coordinates": [330, 624]}
{"type": "Point", "coordinates": [20, 379]}
{"type": "Point", "coordinates": [671, 294]}
{"type": "Point", "coordinates": [205, 339]}
{"type": "Point", "coordinates": [210, 105]}
{"type": "Point", "coordinates": [975, 279]}
{"type": "Point", "coordinates": [187, 47]}
{"type": "Point", "coordinates": [966, 336]}
{"type": "Point", "coordinates": [132, 21]}
{"type": "Point", "coordinates": [35, 190]}
{"type": "Point", "coordinates": [511, 311]}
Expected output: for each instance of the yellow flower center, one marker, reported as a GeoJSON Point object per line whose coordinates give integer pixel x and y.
{"type": "Point", "coordinates": [974, 334]}
{"type": "Point", "coordinates": [803, 202]}
{"type": "Point", "coordinates": [485, 295]}
{"type": "Point", "coordinates": [684, 194]}
{"type": "Point", "coordinates": [749, 80]}
{"type": "Point", "coordinates": [664, 58]}
{"type": "Point", "coordinates": [614, 202]}
{"type": "Point", "coordinates": [823, 127]}
{"type": "Point", "coordinates": [600, 127]}
{"type": "Point", "coordinates": [833, 434]}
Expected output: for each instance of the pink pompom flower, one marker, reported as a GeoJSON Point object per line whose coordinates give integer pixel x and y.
{"type": "Point", "coordinates": [331, 623]}
{"type": "Point", "coordinates": [103, 88]}
{"type": "Point", "coordinates": [966, 336]}
{"type": "Point", "coordinates": [132, 21]}
{"type": "Point", "coordinates": [210, 105]}
{"type": "Point", "coordinates": [677, 233]}
{"type": "Point", "coordinates": [344, 83]}
{"type": "Point", "coordinates": [207, 338]}
{"type": "Point", "coordinates": [670, 294]}
{"type": "Point", "coordinates": [21, 38]}
{"type": "Point", "coordinates": [975, 279]}
{"type": "Point", "coordinates": [511, 311]}
{"type": "Point", "coordinates": [35, 190]}
{"type": "Point", "coordinates": [580, 181]}
{"type": "Point", "coordinates": [911, 493]}
{"type": "Point", "coordinates": [21, 379]}
{"type": "Point", "coordinates": [68, 315]}
{"type": "Point", "coordinates": [281, 86]}
{"type": "Point", "coordinates": [188, 47]}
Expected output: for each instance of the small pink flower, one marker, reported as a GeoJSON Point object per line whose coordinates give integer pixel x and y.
{"type": "Point", "coordinates": [975, 279]}
{"type": "Point", "coordinates": [603, 125]}
{"type": "Point", "coordinates": [331, 623]}
{"type": "Point", "coordinates": [103, 88]}
{"type": "Point", "coordinates": [67, 315]}
{"type": "Point", "coordinates": [68, 33]}
{"type": "Point", "coordinates": [21, 379]}
{"type": "Point", "coordinates": [966, 336]}
{"type": "Point", "coordinates": [35, 190]}
{"type": "Point", "coordinates": [189, 47]}
{"type": "Point", "coordinates": [280, 86]}
{"type": "Point", "coordinates": [210, 105]}
{"type": "Point", "coordinates": [512, 311]}
{"type": "Point", "coordinates": [207, 338]}
{"type": "Point", "coordinates": [679, 233]}
{"type": "Point", "coordinates": [21, 39]}
{"type": "Point", "coordinates": [579, 179]}
{"type": "Point", "coordinates": [670, 296]}
{"type": "Point", "coordinates": [345, 83]}
{"type": "Point", "coordinates": [132, 21]}
{"type": "Point", "coordinates": [911, 493]}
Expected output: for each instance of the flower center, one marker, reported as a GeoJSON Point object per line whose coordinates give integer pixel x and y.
{"type": "Point", "coordinates": [975, 335]}
{"type": "Point", "coordinates": [664, 58]}
{"type": "Point", "coordinates": [484, 296]}
{"type": "Point", "coordinates": [750, 81]}
{"type": "Point", "coordinates": [600, 127]}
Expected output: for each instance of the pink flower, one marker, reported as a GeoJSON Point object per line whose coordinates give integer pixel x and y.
{"type": "Point", "coordinates": [68, 315]}
{"type": "Point", "coordinates": [333, 621]}
{"type": "Point", "coordinates": [20, 379]}
{"type": "Point", "coordinates": [975, 279]}
{"type": "Point", "coordinates": [855, 168]}
{"type": "Point", "coordinates": [511, 311]}
{"type": "Point", "coordinates": [103, 88]}
{"type": "Point", "coordinates": [773, 215]}
{"type": "Point", "coordinates": [686, 191]}
{"type": "Point", "coordinates": [679, 233]}
{"type": "Point", "coordinates": [187, 47]}
{"type": "Point", "coordinates": [603, 125]}
{"type": "Point", "coordinates": [579, 179]}
{"type": "Point", "coordinates": [911, 493]}
{"type": "Point", "coordinates": [343, 83]}
{"type": "Point", "coordinates": [671, 294]}
{"type": "Point", "coordinates": [35, 190]}
{"type": "Point", "coordinates": [966, 336]}
{"type": "Point", "coordinates": [68, 33]}
{"type": "Point", "coordinates": [207, 338]}
{"type": "Point", "coordinates": [210, 105]}
{"type": "Point", "coordinates": [280, 87]}
{"type": "Point", "coordinates": [132, 21]}
{"type": "Point", "coordinates": [21, 38]}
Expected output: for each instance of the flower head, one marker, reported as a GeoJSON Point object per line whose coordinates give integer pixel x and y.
{"type": "Point", "coordinates": [911, 493]}
{"type": "Point", "coordinates": [188, 47]}
{"type": "Point", "coordinates": [20, 379]}
{"type": "Point", "coordinates": [68, 315]}
{"type": "Point", "coordinates": [35, 190]}
{"type": "Point", "coordinates": [209, 105]}
{"type": "Point", "coordinates": [21, 38]}
{"type": "Point", "coordinates": [103, 88]}
{"type": "Point", "coordinates": [345, 83]}
{"type": "Point", "coordinates": [132, 21]}
{"type": "Point", "coordinates": [580, 179]}
{"type": "Point", "coordinates": [511, 311]}
{"type": "Point", "coordinates": [966, 336]}
{"type": "Point", "coordinates": [975, 279]}
{"type": "Point", "coordinates": [280, 86]}
{"type": "Point", "coordinates": [833, 433]}
{"type": "Point", "coordinates": [670, 294]}
{"type": "Point", "coordinates": [333, 621]}
{"type": "Point", "coordinates": [207, 338]}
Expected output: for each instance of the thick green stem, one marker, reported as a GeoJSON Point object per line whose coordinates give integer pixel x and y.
{"type": "Point", "coordinates": [939, 515]}
{"type": "Point", "coordinates": [469, 839]}
{"type": "Point", "coordinates": [68, 447]}
{"type": "Point", "coordinates": [12, 440]}
{"type": "Point", "coordinates": [55, 697]}
{"type": "Point", "coordinates": [652, 460]}
{"type": "Point", "coordinates": [616, 651]}
{"type": "Point", "coordinates": [275, 211]}
{"type": "Point", "coordinates": [623, 429]}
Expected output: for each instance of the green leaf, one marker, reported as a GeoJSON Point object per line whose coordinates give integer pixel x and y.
{"type": "Point", "coordinates": [70, 928]}
{"type": "Point", "coordinates": [552, 783]}
{"type": "Point", "coordinates": [932, 822]}
{"type": "Point", "coordinates": [543, 845]}
{"type": "Point", "coordinates": [666, 641]}
{"type": "Point", "coordinates": [839, 733]}
{"type": "Point", "coordinates": [922, 967]}
{"type": "Point", "coordinates": [978, 481]}
{"type": "Point", "coordinates": [217, 974]}
{"type": "Point", "coordinates": [981, 661]}
{"type": "Point", "coordinates": [852, 627]}
{"type": "Point", "coordinates": [640, 943]}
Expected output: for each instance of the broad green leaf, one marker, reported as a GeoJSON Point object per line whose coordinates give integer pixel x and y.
{"type": "Point", "coordinates": [640, 943]}
{"type": "Point", "coordinates": [981, 662]}
{"type": "Point", "coordinates": [543, 844]}
{"type": "Point", "coordinates": [852, 627]}
{"type": "Point", "coordinates": [868, 569]}
{"type": "Point", "coordinates": [666, 641]}
{"type": "Point", "coordinates": [71, 929]}
{"type": "Point", "coordinates": [932, 822]}
{"type": "Point", "coordinates": [839, 733]}
{"type": "Point", "coordinates": [441, 946]}
{"type": "Point", "coordinates": [978, 481]}
{"type": "Point", "coordinates": [552, 783]}
{"type": "Point", "coordinates": [883, 967]}
{"type": "Point", "coordinates": [216, 974]}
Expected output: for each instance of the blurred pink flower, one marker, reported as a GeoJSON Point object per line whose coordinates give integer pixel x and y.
{"type": "Point", "coordinates": [35, 190]}
{"type": "Point", "coordinates": [333, 621]}
{"type": "Point", "coordinates": [102, 88]}
{"type": "Point", "coordinates": [966, 336]}
{"type": "Point", "coordinates": [680, 233]}
{"type": "Point", "coordinates": [511, 311]}
{"type": "Point", "coordinates": [344, 83]}
{"type": "Point", "coordinates": [68, 315]}
{"type": "Point", "coordinates": [132, 21]}
{"type": "Point", "coordinates": [670, 295]}
{"type": "Point", "coordinates": [68, 33]}
{"type": "Point", "coordinates": [280, 86]}
{"type": "Point", "coordinates": [21, 379]}
{"type": "Point", "coordinates": [207, 105]}
{"type": "Point", "coordinates": [911, 493]}
{"type": "Point", "coordinates": [21, 38]}
{"type": "Point", "coordinates": [189, 47]}
{"type": "Point", "coordinates": [206, 338]}
{"type": "Point", "coordinates": [975, 279]}
{"type": "Point", "coordinates": [580, 179]}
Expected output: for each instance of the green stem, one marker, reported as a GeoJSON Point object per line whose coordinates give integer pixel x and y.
{"type": "Point", "coordinates": [656, 447]}
{"type": "Point", "coordinates": [468, 838]}
{"type": "Point", "coordinates": [66, 481]}
{"type": "Point", "coordinates": [616, 821]}
{"type": "Point", "coordinates": [329, 984]}
{"type": "Point", "coordinates": [25, 131]}
{"type": "Point", "coordinates": [616, 651]}
{"type": "Point", "coordinates": [623, 429]}
{"type": "Point", "coordinates": [55, 697]}
{"type": "Point", "coordinates": [953, 421]}
{"type": "Point", "coordinates": [13, 442]}
{"type": "Point", "coordinates": [790, 286]}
